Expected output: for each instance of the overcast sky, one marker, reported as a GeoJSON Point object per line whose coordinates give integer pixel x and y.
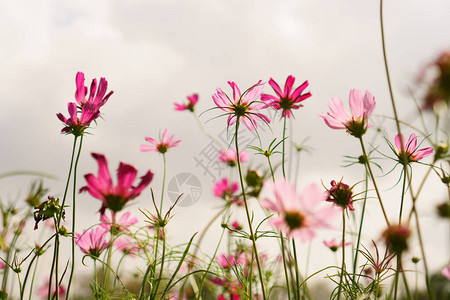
{"type": "Point", "coordinates": [155, 53]}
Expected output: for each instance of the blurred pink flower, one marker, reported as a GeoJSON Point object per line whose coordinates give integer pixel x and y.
{"type": "Point", "coordinates": [230, 261]}
{"type": "Point", "coordinates": [43, 290]}
{"type": "Point", "coordinates": [361, 109]}
{"type": "Point", "coordinates": [287, 99]}
{"type": "Point", "coordinates": [412, 154]}
{"type": "Point", "coordinates": [242, 106]}
{"type": "Point", "coordinates": [127, 245]}
{"type": "Point", "coordinates": [164, 145]}
{"type": "Point", "coordinates": [114, 197]}
{"type": "Point", "coordinates": [75, 125]}
{"type": "Point", "coordinates": [446, 272]}
{"type": "Point", "coordinates": [229, 156]}
{"type": "Point", "coordinates": [92, 242]}
{"type": "Point", "coordinates": [2, 265]}
{"type": "Point", "coordinates": [97, 98]}
{"type": "Point", "coordinates": [298, 214]}
{"type": "Point", "coordinates": [224, 189]}
{"type": "Point", "coordinates": [236, 225]}
{"type": "Point", "coordinates": [122, 224]}
{"type": "Point", "coordinates": [334, 245]}
{"type": "Point", "coordinates": [189, 104]}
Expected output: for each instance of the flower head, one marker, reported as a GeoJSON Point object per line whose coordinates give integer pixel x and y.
{"type": "Point", "coordinates": [298, 214]}
{"type": "Point", "coordinates": [361, 109]}
{"type": "Point", "coordinates": [164, 145]}
{"type": "Point", "coordinates": [189, 104]}
{"type": "Point", "coordinates": [334, 245]}
{"type": "Point", "coordinates": [340, 194]}
{"type": "Point", "coordinates": [121, 225]}
{"type": "Point", "coordinates": [396, 238]}
{"type": "Point", "coordinates": [97, 98]}
{"type": "Point", "coordinates": [112, 196]}
{"type": "Point", "coordinates": [77, 125]}
{"type": "Point", "coordinates": [288, 99]}
{"type": "Point", "coordinates": [127, 245]}
{"type": "Point", "coordinates": [229, 156]}
{"type": "Point", "coordinates": [226, 190]}
{"type": "Point", "coordinates": [92, 242]}
{"type": "Point", "coordinates": [243, 106]}
{"type": "Point", "coordinates": [412, 154]}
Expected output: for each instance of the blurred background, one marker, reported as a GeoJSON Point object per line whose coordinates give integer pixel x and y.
{"type": "Point", "coordinates": [155, 53]}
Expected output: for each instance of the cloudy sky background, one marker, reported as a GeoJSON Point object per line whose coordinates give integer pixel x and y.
{"type": "Point", "coordinates": [155, 53]}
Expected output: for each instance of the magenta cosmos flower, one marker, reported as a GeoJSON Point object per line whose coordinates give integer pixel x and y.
{"type": "Point", "coordinates": [340, 194]}
{"type": "Point", "coordinates": [77, 125]}
{"type": "Point", "coordinates": [164, 145]}
{"type": "Point", "coordinates": [361, 108]}
{"type": "Point", "coordinates": [96, 96]}
{"type": "Point", "coordinates": [298, 214]}
{"type": "Point", "coordinates": [189, 104]}
{"type": "Point", "coordinates": [412, 154]}
{"type": "Point", "coordinates": [123, 224]}
{"type": "Point", "coordinates": [229, 156]}
{"type": "Point", "coordinates": [288, 99]}
{"type": "Point", "coordinates": [112, 196]}
{"type": "Point", "coordinates": [225, 189]}
{"type": "Point", "coordinates": [92, 242]}
{"type": "Point", "coordinates": [243, 106]}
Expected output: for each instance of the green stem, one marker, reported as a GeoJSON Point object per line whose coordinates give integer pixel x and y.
{"type": "Point", "coordinates": [107, 280]}
{"type": "Point", "coordinates": [95, 279]}
{"type": "Point", "coordinates": [163, 183]}
{"type": "Point", "coordinates": [297, 272]}
{"type": "Point", "coordinates": [271, 169]}
{"type": "Point", "coordinates": [284, 149]}
{"type": "Point", "coordinates": [162, 263]}
{"type": "Point", "coordinates": [252, 236]}
{"type": "Point", "coordinates": [283, 251]}
{"type": "Point", "coordinates": [399, 257]}
{"type": "Point", "coordinates": [403, 196]}
{"type": "Point", "coordinates": [343, 254]}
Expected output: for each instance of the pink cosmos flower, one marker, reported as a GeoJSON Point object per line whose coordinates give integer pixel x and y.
{"type": "Point", "coordinates": [227, 261]}
{"type": "Point", "coordinates": [361, 109]}
{"type": "Point", "coordinates": [340, 194]}
{"type": "Point", "coordinates": [127, 245]}
{"type": "Point", "coordinates": [287, 99]}
{"type": "Point", "coordinates": [164, 145]}
{"type": "Point", "coordinates": [189, 104]}
{"type": "Point", "coordinates": [76, 125]}
{"type": "Point", "coordinates": [121, 225]}
{"type": "Point", "coordinates": [43, 290]}
{"type": "Point", "coordinates": [112, 196]}
{"type": "Point", "coordinates": [92, 242]}
{"type": "Point", "coordinates": [229, 156]}
{"type": "Point", "coordinates": [298, 214]}
{"type": "Point", "coordinates": [446, 272]}
{"type": "Point", "coordinates": [334, 245]}
{"type": "Point", "coordinates": [243, 106]}
{"type": "Point", "coordinates": [412, 154]}
{"type": "Point", "coordinates": [97, 98]}
{"type": "Point", "coordinates": [224, 189]}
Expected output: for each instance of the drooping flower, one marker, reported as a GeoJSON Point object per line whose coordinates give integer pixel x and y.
{"type": "Point", "coordinates": [189, 104]}
{"type": "Point", "coordinates": [298, 214]}
{"type": "Point", "coordinates": [97, 98]}
{"type": "Point", "coordinates": [92, 242]}
{"type": "Point", "coordinates": [361, 108]}
{"type": "Point", "coordinates": [334, 245]}
{"type": "Point", "coordinates": [288, 99]}
{"type": "Point", "coordinates": [77, 125]}
{"type": "Point", "coordinates": [243, 106]}
{"type": "Point", "coordinates": [229, 156]}
{"type": "Point", "coordinates": [162, 146]}
{"type": "Point", "coordinates": [112, 196]}
{"type": "Point", "coordinates": [121, 225]}
{"type": "Point", "coordinates": [412, 154]}
{"type": "Point", "coordinates": [340, 194]}
{"type": "Point", "coordinates": [396, 238]}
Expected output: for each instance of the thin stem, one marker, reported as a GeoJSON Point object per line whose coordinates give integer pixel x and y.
{"type": "Point", "coordinates": [72, 267]}
{"type": "Point", "coordinates": [284, 149]}
{"type": "Point", "coordinates": [163, 183]}
{"type": "Point", "coordinates": [403, 196]}
{"type": "Point", "coordinates": [32, 279]}
{"type": "Point", "coordinates": [162, 263]}
{"type": "Point", "coordinates": [297, 281]}
{"type": "Point", "coordinates": [95, 279]}
{"type": "Point", "coordinates": [283, 251]}
{"type": "Point", "coordinates": [399, 257]}
{"type": "Point", "coordinates": [373, 180]}
{"type": "Point", "coordinates": [202, 127]}
{"type": "Point", "coordinates": [107, 280]}
{"type": "Point", "coordinates": [252, 235]}
{"type": "Point", "coordinates": [343, 254]}
{"type": "Point", "coordinates": [271, 169]}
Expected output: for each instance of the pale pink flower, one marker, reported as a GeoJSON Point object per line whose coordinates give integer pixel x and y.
{"type": "Point", "coordinates": [122, 224]}
{"type": "Point", "coordinates": [113, 196]}
{"type": "Point", "coordinates": [361, 108]}
{"type": "Point", "coordinates": [97, 98]}
{"type": "Point", "coordinates": [298, 215]}
{"type": "Point", "coordinates": [127, 245]}
{"type": "Point", "coordinates": [288, 99]}
{"type": "Point", "coordinates": [243, 106]}
{"type": "Point", "coordinates": [412, 154]}
{"type": "Point", "coordinates": [446, 272]}
{"type": "Point", "coordinates": [225, 189]}
{"type": "Point", "coordinates": [189, 104]}
{"type": "Point", "coordinates": [229, 156]}
{"type": "Point", "coordinates": [43, 290]}
{"type": "Point", "coordinates": [92, 242]}
{"type": "Point", "coordinates": [77, 125]}
{"type": "Point", "coordinates": [162, 146]}
{"type": "Point", "coordinates": [334, 245]}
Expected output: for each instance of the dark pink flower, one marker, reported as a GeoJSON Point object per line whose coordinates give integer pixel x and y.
{"type": "Point", "coordinates": [92, 242]}
{"type": "Point", "coordinates": [412, 154]}
{"type": "Point", "coordinates": [112, 196]}
{"type": "Point", "coordinates": [224, 189]}
{"type": "Point", "coordinates": [361, 108]}
{"type": "Point", "coordinates": [230, 261]}
{"type": "Point", "coordinates": [189, 104]}
{"type": "Point", "coordinates": [77, 125]}
{"type": "Point", "coordinates": [229, 156]}
{"type": "Point", "coordinates": [242, 106]}
{"type": "Point", "coordinates": [298, 214]}
{"type": "Point", "coordinates": [164, 145]}
{"type": "Point", "coordinates": [122, 224]}
{"type": "Point", "coordinates": [287, 99]}
{"type": "Point", "coordinates": [340, 194]}
{"type": "Point", "coordinates": [334, 245]}
{"type": "Point", "coordinates": [97, 98]}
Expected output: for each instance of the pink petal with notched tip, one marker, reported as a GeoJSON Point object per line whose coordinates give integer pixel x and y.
{"type": "Point", "coordinates": [337, 108]}
{"type": "Point", "coordinates": [145, 180]}
{"type": "Point", "coordinates": [104, 176]}
{"type": "Point", "coordinates": [356, 103]}
{"type": "Point", "coordinates": [236, 91]}
{"type": "Point", "coordinates": [276, 87]}
{"type": "Point", "coordinates": [126, 174]}
{"type": "Point", "coordinates": [288, 86]}
{"type": "Point", "coordinates": [299, 90]}
{"type": "Point", "coordinates": [95, 188]}
{"type": "Point", "coordinates": [254, 92]}
{"type": "Point", "coordinates": [332, 122]}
